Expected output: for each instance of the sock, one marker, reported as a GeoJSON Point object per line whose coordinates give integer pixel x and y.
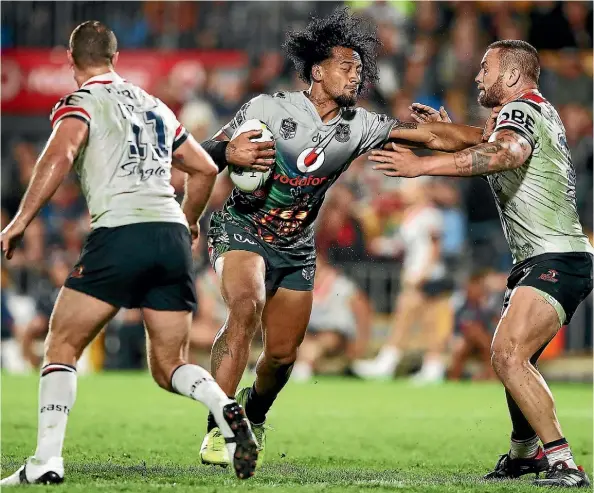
{"type": "Point", "coordinates": [57, 393]}
{"type": "Point", "coordinates": [257, 406]}
{"type": "Point", "coordinates": [522, 430]}
{"type": "Point", "coordinates": [524, 449]}
{"type": "Point", "coordinates": [388, 356]}
{"type": "Point", "coordinates": [210, 423]}
{"type": "Point", "coordinates": [210, 420]}
{"type": "Point", "coordinates": [302, 372]}
{"type": "Point", "coordinates": [196, 383]}
{"type": "Point", "coordinates": [559, 451]}
{"type": "Point", "coordinates": [433, 368]}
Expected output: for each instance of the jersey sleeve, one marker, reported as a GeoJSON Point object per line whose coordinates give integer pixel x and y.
{"type": "Point", "coordinates": [180, 134]}
{"type": "Point", "coordinates": [80, 104]}
{"type": "Point", "coordinates": [376, 130]}
{"type": "Point", "coordinates": [521, 117]}
{"type": "Point", "coordinates": [252, 110]}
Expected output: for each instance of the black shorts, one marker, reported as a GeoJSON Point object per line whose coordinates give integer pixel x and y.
{"type": "Point", "coordinates": [291, 270]}
{"type": "Point", "coordinates": [143, 265]}
{"type": "Point", "coordinates": [566, 277]}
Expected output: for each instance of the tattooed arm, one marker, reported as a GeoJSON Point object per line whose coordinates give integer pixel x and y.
{"type": "Point", "coordinates": [506, 150]}
{"type": "Point", "coordinates": [437, 136]}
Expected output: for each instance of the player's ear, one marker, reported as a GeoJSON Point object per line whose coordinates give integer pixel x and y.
{"type": "Point", "coordinates": [70, 58]}
{"type": "Point", "coordinates": [316, 73]}
{"type": "Point", "coordinates": [513, 77]}
{"type": "Point", "coordinates": [114, 59]}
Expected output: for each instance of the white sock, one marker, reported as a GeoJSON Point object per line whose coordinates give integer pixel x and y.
{"type": "Point", "coordinates": [57, 393]}
{"type": "Point", "coordinates": [523, 449]}
{"type": "Point", "coordinates": [196, 383]}
{"type": "Point", "coordinates": [388, 357]}
{"type": "Point", "coordinates": [301, 372]}
{"type": "Point", "coordinates": [433, 368]}
{"type": "Point", "coordinates": [560, 453]}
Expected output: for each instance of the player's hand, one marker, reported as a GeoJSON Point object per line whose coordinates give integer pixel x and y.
{"type": "Point", "coordinates": [242, 152]}
{"type": "Point", "coordinates": [10, 237]}
{"type": "Point", "coordinates": [422, 113]}
{"type": "Point", "coordinates": [195, 232]}
{"type": "Point", "coordinates": [399, 161]}
{"type": "Point", "coordinates": [491, 123]}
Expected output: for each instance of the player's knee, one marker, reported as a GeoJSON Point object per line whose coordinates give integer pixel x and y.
{"type": "Point", "coordinates": [507, 360]}
{"type": "Point", "coordinates": [281, 356]}
{"type": "Point", "coordinates": [246, 308]}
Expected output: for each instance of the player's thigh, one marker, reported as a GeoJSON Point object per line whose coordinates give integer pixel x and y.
{"type": "Point", "coordinates": [243, 279]}
{"type": "Point", "coordinates": [75, 321]}
{"type": "Point", "coordinates": [168, 333]}
{"type": "Point", "coordinates": [285, 321]}
{"type": "Point", "coordinates": [528, 323]}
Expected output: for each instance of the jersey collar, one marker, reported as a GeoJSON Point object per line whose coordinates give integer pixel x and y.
{"type": "Point", "coordinates": [312, 110]}
{"type": "Point", "coordinates": [106, 78]}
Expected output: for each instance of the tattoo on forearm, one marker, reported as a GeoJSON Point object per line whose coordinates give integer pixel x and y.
{"type": "Point", "coordinates": [489, 158]}
{"type": "Point", "coordinates": [405, 126]}
{"type": "Point", "coordinates": [220, 349]}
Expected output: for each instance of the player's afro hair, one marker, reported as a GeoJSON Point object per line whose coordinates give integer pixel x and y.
{"type": "Point", "coordinates": [340, 29]}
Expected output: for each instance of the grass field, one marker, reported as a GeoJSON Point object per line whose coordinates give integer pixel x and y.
{"type": "Point", "coordinates": [334, 435]}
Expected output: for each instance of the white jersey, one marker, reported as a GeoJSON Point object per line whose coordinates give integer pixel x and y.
{"type": "Point", "coordinates": [536, 201]}
{"type": "Point", "coordinates": [125, 165]}
{"type": "Point", "coordinates": [419, 228]}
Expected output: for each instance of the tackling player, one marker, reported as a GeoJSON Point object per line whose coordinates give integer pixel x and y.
{"type": "Point", "coordinates": [262, 244]}
{"type": "Point", "coordinates": [528, 165]}
{"type": "Point", "coordinates": [121, 141]}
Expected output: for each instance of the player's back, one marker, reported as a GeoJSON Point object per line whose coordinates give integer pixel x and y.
{"type": "Point", "coordinates": [125, 166]}
{"type": "Point", "coordinates": [537, 201]}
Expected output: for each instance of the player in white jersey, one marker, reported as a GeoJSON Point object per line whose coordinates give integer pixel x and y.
{"type": "Point", "coordinates": [122, 142]}
{"type": "Point", "coordinates": [528, 165]}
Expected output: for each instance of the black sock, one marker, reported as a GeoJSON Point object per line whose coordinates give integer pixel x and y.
{"type": "Point", "coordinates": [555, 443]}
{"type": "Point", "coordinates": [521, 429]}
{"type": "Point", "coordinates": [256, 406]}
{"type": "Point", "coordinates": [210, 421]}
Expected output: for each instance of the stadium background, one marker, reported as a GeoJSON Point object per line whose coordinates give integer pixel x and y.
{"type": "Point", "coordinates": [205, 59]}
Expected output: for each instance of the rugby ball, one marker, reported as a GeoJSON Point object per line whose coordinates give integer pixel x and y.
{"type": "Point", "coordinates": [245, 179]}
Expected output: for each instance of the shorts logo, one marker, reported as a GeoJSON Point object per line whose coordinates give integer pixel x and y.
{"type": "Point", "coordinates": [308, 273]}
{"type": "Point", "coordinates": [241, 239]}
{"type": "Point", "coordinates": [343, 132]}
{"type": "Point", "coordinates": [77, 273]}
{"type": "Point", "coordinates": [550, 276]}
{"type": "Point", "coordinates": [310, 159]}
{"type": "Point", "coordinates": [288, 128]}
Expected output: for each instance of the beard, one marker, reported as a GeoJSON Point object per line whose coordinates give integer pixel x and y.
{"type": "Point", "coordinates": [346, 100]}
{"type": "Point", "coordinates": [489, 98]}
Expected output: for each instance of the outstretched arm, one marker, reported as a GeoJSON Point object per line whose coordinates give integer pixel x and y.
{"type": "Point", "coordinates": [438, 136]}
{"type": "Point", "coordinates": [506, 150]}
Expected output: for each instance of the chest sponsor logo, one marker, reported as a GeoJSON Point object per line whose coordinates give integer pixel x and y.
{"type": "Point", "coordinates": [343, 132]}
{"type": "Point", "coordinates": [310, 159]}
{"type": "Point", "coordinates": [288, 128]}
{"type": "Point", "coordinates": [300, 181]}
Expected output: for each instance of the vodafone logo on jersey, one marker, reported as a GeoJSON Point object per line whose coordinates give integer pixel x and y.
{"type": "Point", "coordinates": [310, 159]}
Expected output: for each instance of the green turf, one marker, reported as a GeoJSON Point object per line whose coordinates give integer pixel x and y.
{"type": "Point", "coordinates": [335, 435]}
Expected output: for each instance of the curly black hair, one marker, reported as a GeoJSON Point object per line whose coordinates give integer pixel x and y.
{"type": "Point", "coordinates": [340, 29]}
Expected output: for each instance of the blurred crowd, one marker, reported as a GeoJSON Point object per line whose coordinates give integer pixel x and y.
{"type": "Point", "coordinates": [424, 254]}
